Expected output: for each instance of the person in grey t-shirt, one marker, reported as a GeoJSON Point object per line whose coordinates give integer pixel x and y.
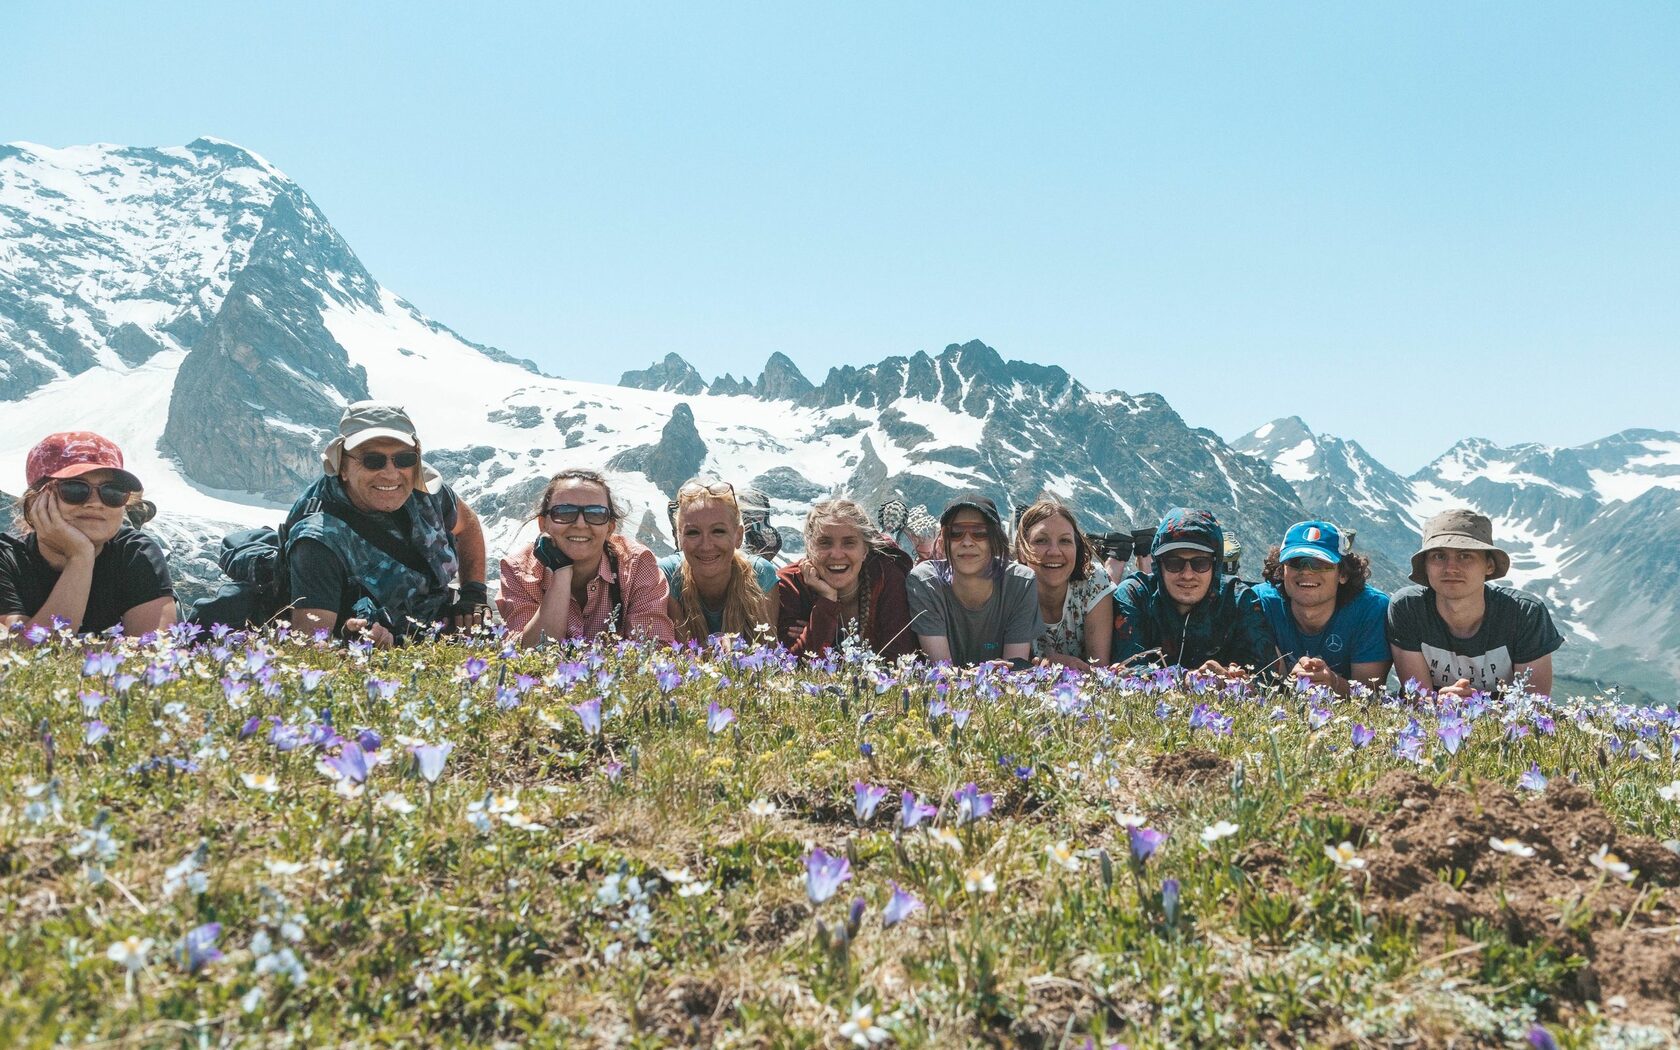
{"type": "Point", "coordinates": [974, 605]}
{"type": "Point", "coordinates": [1457, 631]}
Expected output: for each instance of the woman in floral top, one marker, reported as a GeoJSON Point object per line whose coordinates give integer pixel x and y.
{"type": "Point", "coordinates": [1075, 595]}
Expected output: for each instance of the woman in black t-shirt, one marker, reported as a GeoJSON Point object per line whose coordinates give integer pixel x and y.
{"type": "Point", "coordinates": [78, 560]}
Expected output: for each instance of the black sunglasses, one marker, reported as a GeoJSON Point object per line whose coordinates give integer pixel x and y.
{"type": "Point", "coordinates": [376, 460]}
{"type": "Point", "coordinates": [566, 513]}
{"type": "Point", "coordinates": [1309, 565]}
{"type": "Point", "coordinates": [1200, 563]}
{"type": "Point", "coordinates": [111, 493]}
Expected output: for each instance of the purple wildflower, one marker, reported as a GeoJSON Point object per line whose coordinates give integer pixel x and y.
{"type": "Point", "coordinates": [379, 689]}
{"type": "Point", "coordinates": [667, 678]}
{"type": "Point", "coordinates": [613, 771]}
{"type": "Point", "coordinates": [824, 874]}
{"type": "Point", "coordinates": [1144, 842]}
{"type": "Point", "coordinates": [865, 799]}
{"type": "Point", "coordinates": [430, 759]}
{"type": "Point", "coordinates": [1317, 717]}
{"type": "Point", "coordinates": [95, 731]}
{"type": "Point", "coordinates": [198, 948]}
{"type": "Point", "coordinates": [899, 907]}
{"type": "Point", "coordinates": [589, 713]}
{"type": "Point", "coordinates": [1540, 1039]}
{"type": "Point", "coordinates": [913, 811]}
{"type": "Point", "coordinates": [369, 740]}
{"type": "Point", "coordinates": [971, 804]}
{"type": "Point", "coordinates": [1452, 732]}
{"type": "Point", "coordinates": [349, 764]}
{"type": "Point", "coordinates": [718, 718]}
{"type": "Point", "coordinates": [959, 717]}
{"type": "Point", "coordinates": [310, 678]}
{"type": "Point", "coordinates": [250, 727]}
{"type": "Point", "coordinates": [1169, 900]}
{"type": "Point", "coordinates": [1362, 735]}
{"type": "Point", "coordinates": [1532, 779]}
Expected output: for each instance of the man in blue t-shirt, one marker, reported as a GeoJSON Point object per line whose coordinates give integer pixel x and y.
{"type": "Point", "coordinates": [1331, 625]}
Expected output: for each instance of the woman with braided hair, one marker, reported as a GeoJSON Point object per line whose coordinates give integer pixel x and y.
{"type": "Point", "coordinates": [849, 585]}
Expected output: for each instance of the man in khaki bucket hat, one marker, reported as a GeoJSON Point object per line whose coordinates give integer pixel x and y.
{"type": "Point", "coordinates": [1455, 631]}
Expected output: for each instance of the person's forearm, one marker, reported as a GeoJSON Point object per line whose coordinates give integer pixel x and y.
{"type": "Point", "coordinates": [470, 548]}
{"type": "Point", "coordinates": [553, 612]}
{"type": "Point", "coordinates": [69, 597]}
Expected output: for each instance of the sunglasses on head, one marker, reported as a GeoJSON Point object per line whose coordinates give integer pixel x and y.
{"type": "Point", "coordinates": [566, 513]}
{"type": "Point", "coordinates": [76, 492]}
{"type": "Point", "coordinates": [1198, 563]}
{"type": "Point", "coordinates": [695, 489]}
{"type": "Point", "coordinates": [377, 460]}
{"type": "Point", "coordinates": [1309, 565]}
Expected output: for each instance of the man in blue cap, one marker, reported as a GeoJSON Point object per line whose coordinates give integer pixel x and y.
{"type": "Point", "coordinates": [1330, 623]}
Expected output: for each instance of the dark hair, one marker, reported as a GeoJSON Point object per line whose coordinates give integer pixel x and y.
{"type": "Point", "coordinates": [592, 477]}
{"type": "Point", "coordinates": [1043, 509]}
{"type": "Point", "coordinates": [1357, 567]}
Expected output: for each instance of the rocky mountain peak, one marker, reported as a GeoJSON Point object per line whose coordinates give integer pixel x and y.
{"type": "Point", "coordinates": [782, 380]}
{"type": "Point", "coordinates": [673, 374]}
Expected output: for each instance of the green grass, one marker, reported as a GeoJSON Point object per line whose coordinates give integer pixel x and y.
{"type": "Point", "coordinates": [421, 929]}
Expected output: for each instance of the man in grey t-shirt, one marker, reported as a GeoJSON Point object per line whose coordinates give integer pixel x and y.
{"type": "Point", "coordinates": [974, 605]}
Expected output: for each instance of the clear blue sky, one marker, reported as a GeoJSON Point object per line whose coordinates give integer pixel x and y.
{"type": "Point", "coordinates": [1405, 222]}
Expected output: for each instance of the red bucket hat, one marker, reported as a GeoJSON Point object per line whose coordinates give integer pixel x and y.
{"type": "Point", "coordinates": [73, 453]}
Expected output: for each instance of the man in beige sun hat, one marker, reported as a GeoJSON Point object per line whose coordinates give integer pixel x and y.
{"type": "Point", "coordinates": [1455, 631]}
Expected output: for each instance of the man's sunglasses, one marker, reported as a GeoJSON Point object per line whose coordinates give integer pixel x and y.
{"type": "Point", "coordinates": [1309, 565]}
{"type": "Point", "coordinates": [1197, 564]}
{"type": "Point", "coordinates": [566, 513]}
{"type": "Point", "coordinates": [76, 493]}
{"type": "Point", "coordinates": [377, 460]}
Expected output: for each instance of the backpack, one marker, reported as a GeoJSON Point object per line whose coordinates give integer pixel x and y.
{"type": "Point", "coordinates": [254, 562]}
{"type": "Point", "coordinates": [258, 583]}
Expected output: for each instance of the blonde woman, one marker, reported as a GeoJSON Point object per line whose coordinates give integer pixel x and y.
{"type": "Point", "coordinates": [580, 577]}
{"type": "Point", "coordinates": [1075, 595]}
{"type": "Point", "coordinates": [716, 587]}
{"type": "Point", "coordinates": [79, 561]}
{"type": "Point", "coordinates": [850, 584]}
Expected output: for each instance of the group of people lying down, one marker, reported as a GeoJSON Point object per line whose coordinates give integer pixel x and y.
{"type": "Point", "coordinates": [379, 547]}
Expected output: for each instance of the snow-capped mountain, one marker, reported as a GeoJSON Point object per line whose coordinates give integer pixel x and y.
{"type": "Point", "coordinates": [1591, 529]}
{"type": "Point", "coordinates": [193, 304]}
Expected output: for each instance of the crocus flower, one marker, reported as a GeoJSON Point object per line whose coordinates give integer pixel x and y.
{"type": "Point", "coordinates": [613, 771]}
{"type": "Point", "coordinates": [1361, 735]}
{"type": "Point", "coordinates": [430, 759]}
{"type": "Point", "coordinates": [971, 804]}
{"type": "Point", "coordinates": [718, 718]}
{"type": "Point", "coordinates": [1532, 779]}
{"type": "Point", "coordinates": [959, 718]}
{"type": "Point", "coordinates": [198, 948]}
{"type": "Point", "coordinates": [95, 731]}
{"type": "Point", "coordinates": [912, 810]}
{"type": "Point", "coordinates": [475, 667]}
{"type": "Point", "coordinates": [1223, 829]}
{"type": "Point", "coordinates": [824, 874]}
{"type": "Point", "coordinates": [267, 783]}
{"type": "Point", "coordinates": [130, 953]}
{"type": "Point", "coordinates": [1144, 842]}
{"type": "Point", "coordinates": [900, 906]}
{"type": "Point", "coordinates": [1062, 855]}
{"type": "Point", "coordinates": [1169, 900]}
{"type": "Point", "coordinates": [860, 1028]}
{"type": "Point", "coordinates": [1344, 857]}
{"type": "Point", "coordinates": [589, 713]}
{"type": "Point", "coordinates": [865, 799]}
{"type": "Point", "coordinates": [1317, 717]}
{"type": "Point", "coordinates": [1611, 864]}
{"type": "Point", "coordinates": [978, 880]}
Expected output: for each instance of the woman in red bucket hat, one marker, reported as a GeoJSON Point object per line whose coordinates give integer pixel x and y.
{"type": "Point", "coordinates": [78, 561]}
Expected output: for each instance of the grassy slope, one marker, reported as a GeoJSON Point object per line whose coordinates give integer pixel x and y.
{"type": "Point", "coordinates": [418, 928]}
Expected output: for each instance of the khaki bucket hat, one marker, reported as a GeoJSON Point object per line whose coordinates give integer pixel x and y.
{"type": "Point", "coordinates": [1459, 529]}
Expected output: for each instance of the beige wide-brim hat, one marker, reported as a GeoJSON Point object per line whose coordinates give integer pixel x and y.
{"type": "Point", "coordinates": [1459, 529]}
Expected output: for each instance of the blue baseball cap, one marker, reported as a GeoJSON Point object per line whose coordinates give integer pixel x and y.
{"type": "Point", "coordinates": [1312, 539]}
